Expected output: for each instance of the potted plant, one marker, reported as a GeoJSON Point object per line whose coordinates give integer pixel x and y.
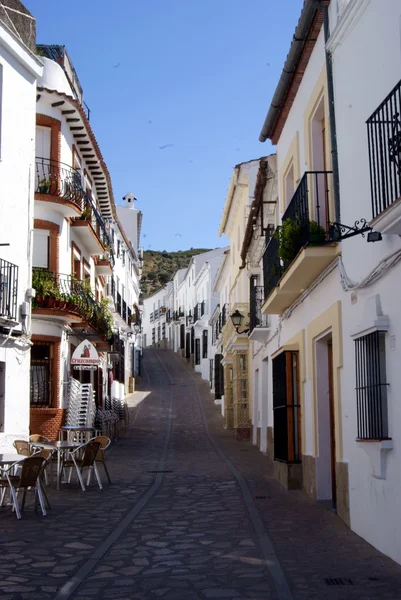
{"type": "Point", "coordinates": [317, 234]}
{"type": "Point", "coordinates": [44, 186]}
{"type": "Point", "coordinates": [290, 239]}
{"type": "Point", "coordinates": [85, 214]}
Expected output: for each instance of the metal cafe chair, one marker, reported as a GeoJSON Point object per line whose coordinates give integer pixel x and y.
{"type": "Point", "coordinates": [27, 480]}
{"type": "Point", "coordinates": [104, 442]}
{"type": "Point", "coordinates": [88, 460]}
{"type": "Point", "coordinates": [22, 447]}
{"type": "Point", "coordinates": [36, 438]}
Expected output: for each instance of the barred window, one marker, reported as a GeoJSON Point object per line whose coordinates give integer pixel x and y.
{"type": "Point", "coordinates": [371, 386]}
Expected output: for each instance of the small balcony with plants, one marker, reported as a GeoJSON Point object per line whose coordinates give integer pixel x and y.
{"type": "Point", "coordinates": [259, 323]}
{"type": "Point", "coordinates": [104, 263]}
{"type": "Point", "coordinates": [60, 184]}
{"type": "Point", "coordinates": [90, 228]}
{"type": "Point", "coordinates": [70, 300]}
{"type": "Point", "coordinates": [301, 248]}
{"type": "Point", "coordinates": [384, 143]}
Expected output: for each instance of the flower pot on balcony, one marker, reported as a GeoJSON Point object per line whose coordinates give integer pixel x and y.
{"type": "Point", "coordinates": [49, 302]}
{"type": "Point", "coordinates": [60, 304]}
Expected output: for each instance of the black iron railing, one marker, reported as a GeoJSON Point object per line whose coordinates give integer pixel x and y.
{"type": "Point", "coordinates": [202, 308]}
{"type": "Point", "coordinates": [371, 386]}
{"type": "Point", "coordinates": [305, 222]}
{"type": "Point", "coordinates": [224, 315]}
{"type": "Point", "coordinates": [58, 179]}
{"type": "Point", "coordinates": [384, 142]}
{"type": "Point", "coordinates": [8, 290]}
{"type": "Point", "coordinates": [66, 293]}
{"type": "Point", "coordinates": [124, 313]}
{"type": "Point", "coordinates": [129, 316]}
{"type": "Point", "coordinates": [119, 303]}
{"type": "Point", "coordinates": [272, 268]}
{"type": "Point", "coordinates": [257, 319]}
{"type": "Point", "coordinates": [61, 180]}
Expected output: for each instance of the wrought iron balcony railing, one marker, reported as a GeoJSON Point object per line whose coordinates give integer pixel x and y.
{"type": "Point", "coordinates": [384, 142]}
{"type": "Point", "coordinates": [61, 180]}
{"type": "Point", "coordinates": [8, 290]}
{"type": "Point", "coordinates": [66, 293]}
{"type": "Point", "coordinates": [58, 179]}
{"type": "Point", "coordinates": [257, 319]}
{"type": "Point", "coordinates": [119, 303]}
{"type": "Point", "coordinates": [197, 312]}
{"type": "Point", "coordinates": [305, 222]}
{"type": "Point", "coordinates": [224, 315]}
{"type": "Point", "coordinates": [124, 311]}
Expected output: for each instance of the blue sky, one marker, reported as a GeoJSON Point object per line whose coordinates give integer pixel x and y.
{"type": "Point", "coordinates": [196, 75]}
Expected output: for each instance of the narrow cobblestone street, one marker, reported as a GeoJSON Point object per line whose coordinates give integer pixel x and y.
{"type": "Point", "coordinates": [191, 513]}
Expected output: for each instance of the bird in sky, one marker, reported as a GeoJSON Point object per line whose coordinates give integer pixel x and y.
{"type": "Point", "coordinates": [178, 235]}
{"type": "Point", "coordinates": [166, 146]}
{"type": "Point", "coordinates": [116, 66]}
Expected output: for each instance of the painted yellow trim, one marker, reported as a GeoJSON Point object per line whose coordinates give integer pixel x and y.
{"type": "Point", "coordinates": [297, 344]}
{"type": "Point", "coordinates": [328, 321]}
{"type": "Point", "coordinates": [292, 157]}
{"type": "Point", "coordinates": [318, 91]}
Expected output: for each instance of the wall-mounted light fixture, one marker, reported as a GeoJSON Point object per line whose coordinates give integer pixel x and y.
{"type": "Point", "coordinates": [237, 319]}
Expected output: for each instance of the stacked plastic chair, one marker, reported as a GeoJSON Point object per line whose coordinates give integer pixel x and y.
{"type": "Point", "coordinates": [81, 405]}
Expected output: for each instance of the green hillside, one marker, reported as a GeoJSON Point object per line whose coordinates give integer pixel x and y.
{"type": "Point", "coordinates": [159, 267]}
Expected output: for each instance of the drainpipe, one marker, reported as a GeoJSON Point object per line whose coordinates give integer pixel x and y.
{"type": "Point", "coordinates": [332, 114]}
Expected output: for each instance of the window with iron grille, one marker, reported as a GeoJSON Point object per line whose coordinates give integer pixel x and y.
{"type": "Point", "coordinates": [182, 336]}
{"type": "Point", "coordinates": [153, 335]}
{"type": "Point", "coordinates": [192, 340]}
{"type": "Point", "coordinates": [163, 330]}
{"type": "Point", "coordinates": [371, 386]}
{"type": "Point", "coordinates": [197, 351]}
{"type": "Point", "coordinates": [211, 373]}
{"type": "Point", "coordinates": [41, 379]}
{"type": "Point", "coordinates": [286, 408]}
{"type": "Point", "coordinates": [204, 343]}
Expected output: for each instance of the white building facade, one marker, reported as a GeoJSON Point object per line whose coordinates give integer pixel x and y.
{"type": "Point", "coordinates": [369, 150]}
{"type": "Point", "coordinates": [85, 269]}
{"type": "Point", "coordinates": [19, 71]}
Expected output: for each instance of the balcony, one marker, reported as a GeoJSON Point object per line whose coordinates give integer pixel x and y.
{"type": "Point", "coordinates": [70, 300]}
{"type": "Point", "coordinates": [60, 184]}
{"type": "Point", "coordinates": [300, 250]}
{"type": "Point", "coordinates": [259, 326]}
{"type": "Point", "coordinates": [384, 140]}
{"type": "Point", "coordinates": [91, 230]}
{"type": "Point", "coordinates": [8, 293]}
{"type": "Point", "coordinates": [103, 265]}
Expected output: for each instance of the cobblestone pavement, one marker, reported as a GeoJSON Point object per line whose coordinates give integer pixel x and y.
{"type": "Point", "coordinates": [194, 531]}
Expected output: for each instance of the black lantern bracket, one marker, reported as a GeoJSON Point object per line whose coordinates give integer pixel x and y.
{"type": "Point", "coordinates": [339, 231]}
{"type": "Point", "coordinates": [237, 319]}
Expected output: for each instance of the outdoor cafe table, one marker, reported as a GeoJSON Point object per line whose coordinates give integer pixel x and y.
{"type": "Point", "coordinates": [8, 458]}
{"type": "Point", "coordinates": [60, 448]}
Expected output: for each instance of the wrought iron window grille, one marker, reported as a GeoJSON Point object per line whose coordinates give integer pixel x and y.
{"type": "Point", "coordinates": [371, 386]}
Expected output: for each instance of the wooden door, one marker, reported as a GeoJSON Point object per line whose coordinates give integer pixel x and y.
{"type": "Point", "coordinates": [332, 421]}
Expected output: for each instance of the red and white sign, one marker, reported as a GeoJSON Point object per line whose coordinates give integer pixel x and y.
{"type": "Point", "coordinates": [85, 354]}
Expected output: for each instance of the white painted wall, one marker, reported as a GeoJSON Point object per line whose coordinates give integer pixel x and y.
{"type": "Point", "coordinates": [19, 69]}
{"type": "Point", "coordinates": [365, 70]}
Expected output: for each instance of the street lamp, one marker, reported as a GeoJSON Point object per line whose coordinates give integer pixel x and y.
{"type": "Point", "coordinates": [237, 319]}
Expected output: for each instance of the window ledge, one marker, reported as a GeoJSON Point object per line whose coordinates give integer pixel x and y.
{"type": "Point", "coordinates": [376, 451]}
